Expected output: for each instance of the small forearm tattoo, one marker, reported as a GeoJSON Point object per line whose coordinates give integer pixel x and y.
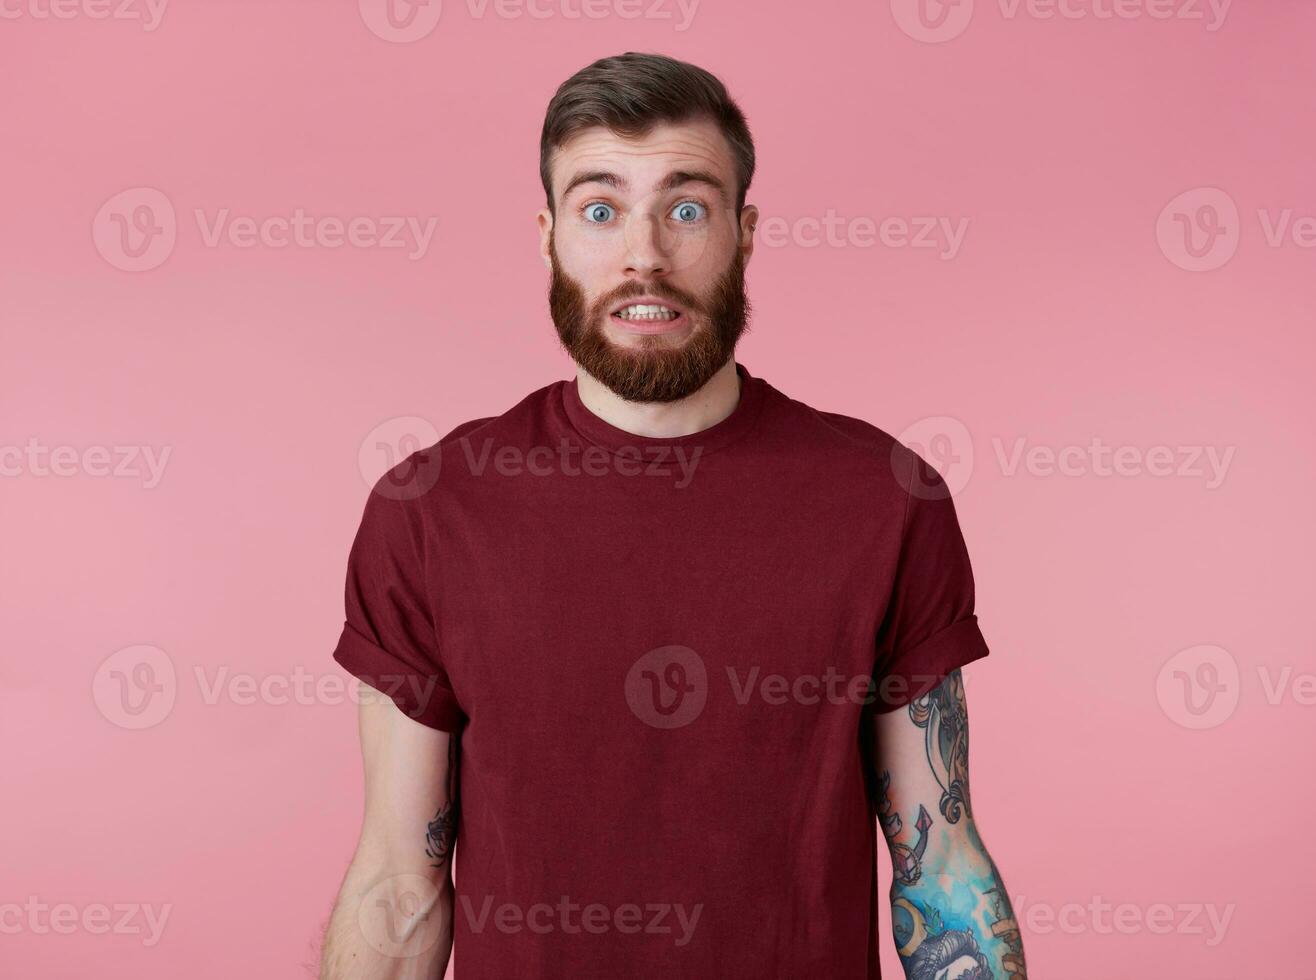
{"type": "Point", "coordinates": [441, 832]}
{"type": "Point", "coordinates": [906, 859]}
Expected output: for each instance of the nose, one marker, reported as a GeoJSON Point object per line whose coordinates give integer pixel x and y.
{"type": "Point", "coordinates": [646, 249]}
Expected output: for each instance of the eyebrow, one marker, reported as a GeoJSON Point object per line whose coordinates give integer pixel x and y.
{"type": "Point", "coordinates": [673, 180]}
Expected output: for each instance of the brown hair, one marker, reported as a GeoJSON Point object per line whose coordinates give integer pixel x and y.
{"type": "Point", "coordinates": [629, 93]}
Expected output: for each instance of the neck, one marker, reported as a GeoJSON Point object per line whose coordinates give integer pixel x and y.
{"type": "Point", "coordinates": [665, 420]}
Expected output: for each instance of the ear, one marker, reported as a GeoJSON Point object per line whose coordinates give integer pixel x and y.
{"type": "Point", "coordinates": [749, 219]}
{"type": "Point", "coordinates": [545, 219]}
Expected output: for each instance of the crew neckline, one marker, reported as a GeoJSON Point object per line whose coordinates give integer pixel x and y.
{"type": "Point", "coordinates": [610, 437]}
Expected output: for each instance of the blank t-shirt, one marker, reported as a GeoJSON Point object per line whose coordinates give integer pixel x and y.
{"type": "Point", "coordinates": [657, 654]}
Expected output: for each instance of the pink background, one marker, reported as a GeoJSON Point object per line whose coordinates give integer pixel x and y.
{"type": "Point", "coordinates": [1063, 317]}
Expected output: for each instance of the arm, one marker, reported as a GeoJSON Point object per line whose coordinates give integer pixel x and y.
{"type": "Point", "coordinates": [393, 917]}
{"type": "Point", "coordinates": [950, 913]}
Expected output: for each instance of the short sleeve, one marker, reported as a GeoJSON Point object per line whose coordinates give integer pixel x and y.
{"type": "Point", "coordinates": [929, 628]}
{"type": "Point", "coordinates": [389, 639]}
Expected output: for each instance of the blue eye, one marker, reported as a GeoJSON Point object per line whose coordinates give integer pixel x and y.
{"type": "Point", "coordinates": [598, 214]}
{"type": "Point", "coordinates": [688, 212]}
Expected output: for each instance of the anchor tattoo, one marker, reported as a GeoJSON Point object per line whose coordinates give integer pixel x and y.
{"type": "Point", "coordinates": [906, 860]}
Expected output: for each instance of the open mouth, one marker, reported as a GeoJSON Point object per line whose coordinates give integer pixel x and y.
{"type": "Point", "coordinates": [649, 316]}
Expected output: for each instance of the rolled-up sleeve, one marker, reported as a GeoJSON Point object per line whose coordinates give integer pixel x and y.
{"type": "Point", "coordinates": [389, 640]}
{"type": "Point", "coordinates": [929, 627]}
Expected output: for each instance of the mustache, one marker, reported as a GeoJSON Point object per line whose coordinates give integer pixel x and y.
{"type": "Point", "coordinates": [635, 289]}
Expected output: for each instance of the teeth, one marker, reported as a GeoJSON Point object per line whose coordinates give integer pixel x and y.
{"type": "Point", "coordinates": [647, 311]}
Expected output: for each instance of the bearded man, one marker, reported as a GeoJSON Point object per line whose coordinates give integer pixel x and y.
{"type": "Point", "coordinates": [661, 644]}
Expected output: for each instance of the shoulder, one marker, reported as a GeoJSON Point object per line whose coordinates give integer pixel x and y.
{"type": "Point", "coordinates": [418, 474]}
{"type": "Point", "coordinates": [836, 438]}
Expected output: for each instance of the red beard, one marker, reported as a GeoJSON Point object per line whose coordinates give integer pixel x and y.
{"type": "Point", "coordinates": [655, 370]}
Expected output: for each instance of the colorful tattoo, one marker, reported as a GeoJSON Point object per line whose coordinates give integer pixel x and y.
{"type": "Point", "coordinates": [951, 917]}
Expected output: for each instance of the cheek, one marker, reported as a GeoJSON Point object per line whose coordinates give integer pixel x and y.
{"type": "Point", "coordinates": [709, 265]}
{"type": "Point", "coordinates": [590, 259]}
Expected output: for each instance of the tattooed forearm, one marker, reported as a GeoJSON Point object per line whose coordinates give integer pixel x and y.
{"type": "Point", "coordinates": [944, 714]}
{"type": "Point", "coordinates": [1006, 929]}
{"type": "Point", "coordinates": [957, 924]}
{"type": "Point", "coordinates": [951, 916]}
{"type": "Point", "coordinates": [441, 832]}
{"type": "Point", "coordinates": [906, 859]}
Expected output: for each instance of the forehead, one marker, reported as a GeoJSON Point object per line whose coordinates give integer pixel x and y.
{"type": "Point", "coordinates": [643, 162]}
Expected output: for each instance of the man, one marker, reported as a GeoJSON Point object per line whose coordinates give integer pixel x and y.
{"type": "Point", "coordinates": [663, 646]}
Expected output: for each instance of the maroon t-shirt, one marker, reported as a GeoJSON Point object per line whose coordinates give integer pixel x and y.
{"type": "Point", "coordinates": [657, 653]}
